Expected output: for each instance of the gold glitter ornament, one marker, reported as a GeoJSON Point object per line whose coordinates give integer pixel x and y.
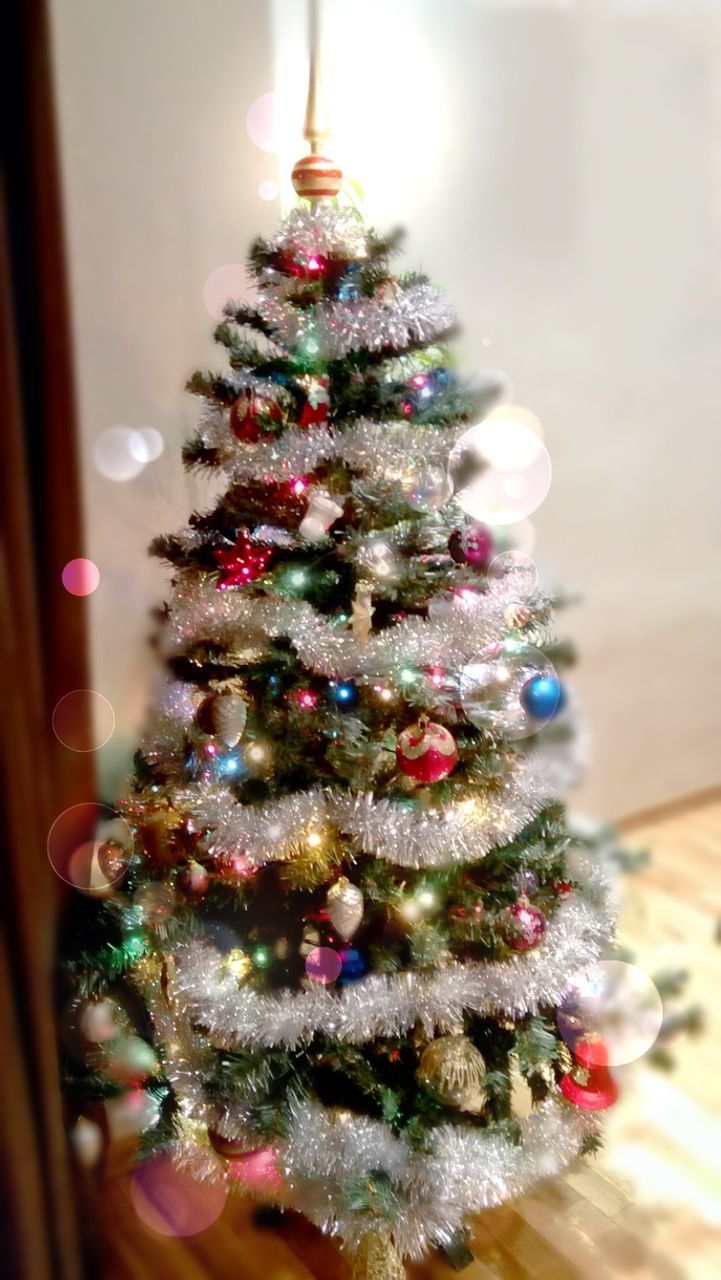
{"type": "Point", "coordinates": [344, 904]}
{"type": "Point", "coordinates": [454, 1070]}
{"type": "Point", "coordinates": [237, 964]}
{"type": "Point", "coordinates": [377, 1258]}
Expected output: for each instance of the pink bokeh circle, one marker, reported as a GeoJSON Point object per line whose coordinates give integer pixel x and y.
{"type": "Point", "coordinates": [80, 577]}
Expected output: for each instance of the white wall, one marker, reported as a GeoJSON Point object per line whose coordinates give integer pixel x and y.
{"type": "Point", "coordinates": [557, 165]}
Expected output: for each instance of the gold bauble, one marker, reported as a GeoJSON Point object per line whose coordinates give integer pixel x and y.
{"type": "Point", "coordinates": [236, 964]}
{"type": "Point", "coordinates": [453, 1069]}
{"type": "Point", "coordinates": [377, 1259]}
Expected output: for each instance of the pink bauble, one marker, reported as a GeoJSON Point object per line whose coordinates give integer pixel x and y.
{"type": "Point", "coordinates": [426, 751]}
{"type": "Point", "coordinates": [472, 545]}
{"type": "Point", "coordinates": [524, 925]}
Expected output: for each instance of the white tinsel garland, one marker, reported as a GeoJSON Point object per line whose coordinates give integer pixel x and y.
{"type": "Point", "coordinates": [326, 229]}
{"type": "Point", "coordinates": [418, 313]}
{"type": "Point", "coordinates": [462, 831]}
{"type": "Point", "coordinates": [198, 611]}
{"type": "Point", "coordinates": [387, 1005]}
{"type": "Point", "coordinates": [378, 450]}
{"type": "Point", "coordinates": [464, 1171]}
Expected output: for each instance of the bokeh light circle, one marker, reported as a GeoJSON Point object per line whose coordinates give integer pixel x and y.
{"type": "Point", "coordinates": [615, 1001]}
{"type": "Point", "coordinates": [491, 686]}
{"type": "Point", "coordinates": [262, 120]}
{"type": "Point", "coordinates": [83, 720]}
{"type": "Point", "coordinates": [80, 577]}
{"type": "Point", "coordinates": [516, 413]}
{"type": "Point", "coordinates": [171, 1202]}
{"type": "Point", "coordinates": [323, 964]}
{"type": "Point", "coordinates": [500, 470]}
{"type": "Point", "coordinates": [89, 847]}
{"type": "Point", "coordinates": [223, 285]}
{"type": "Point", "coordinates": [146, 444]}
{"type": "Point", "coordinates": [116, 454]}
{"type": "Point", "coordinates": [268, 189]}
{"type": "Point", "coordinates": [512, 575]}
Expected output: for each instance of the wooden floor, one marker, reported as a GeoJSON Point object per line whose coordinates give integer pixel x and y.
{"type": "Point", "coordinates": [647, 1208]}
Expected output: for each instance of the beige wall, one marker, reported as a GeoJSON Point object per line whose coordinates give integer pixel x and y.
{"type": "Point", "coordinates": [558, 167]}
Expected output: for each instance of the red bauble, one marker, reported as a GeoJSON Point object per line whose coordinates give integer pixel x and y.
{"type": "Point", "coordinates": [242, 563]}
{"type": "Point", "coordinates": [472, 545]}
{"type": "Point", "coordinates": [524, 925]}
{"type": "Point", "coordinates": [252, 417]}
{"type": "Point", "coordinates": [426, 751]}
{"type": "Point", "coordinates": [315, 409]}
{"type": "Point", "coordinates": [595, 1088]}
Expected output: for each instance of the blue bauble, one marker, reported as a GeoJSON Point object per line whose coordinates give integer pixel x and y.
{"type": "Point", "coordinates": [354, 963]}
{"type": "Point", "coordinates": [344, 693]}
{"type": "Point", "coordinates": [543, 697]}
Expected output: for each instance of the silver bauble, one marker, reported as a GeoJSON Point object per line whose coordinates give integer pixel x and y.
{"type": "Point", "coordinates": [344, 905]}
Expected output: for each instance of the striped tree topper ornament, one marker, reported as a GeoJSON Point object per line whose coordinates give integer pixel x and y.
{"type": "Point", "coordinates": [316, 177]}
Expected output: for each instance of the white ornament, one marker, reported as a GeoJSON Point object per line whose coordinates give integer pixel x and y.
{"type": "Point", "coordinates": [321, 514]}
{"type": "Point", "coordinates": [229, 714]}
{"type": "Point", "coordinates": [344, 905]}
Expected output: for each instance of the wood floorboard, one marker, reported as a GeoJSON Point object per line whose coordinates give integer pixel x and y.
{"type": "Point", "coordinates": [648, 1207]}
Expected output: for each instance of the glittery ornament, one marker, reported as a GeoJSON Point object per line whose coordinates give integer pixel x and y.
{"type": "Point", "coordinates": [322, 512]}
{"type": "Point", "coordinates": [252, 415]}
{"type": "Point", "coordinates": [241, 563]}
{"type": "Point", "coordinates": [454, 1070]}
{"type": "Point", "coordinates": [524, 925]}
{"type": "Point", "coordinates": [590, 1085]}
{"type": "Point", "coordinates": [472, 545]}
{"type": "Point", "coordinates": [426, 751]}
{"type": "Point", "coordinates": [376, 1258]}
{"type": "Point", "coordinates": [317, 404]}
{"type": "Point", "coordinates": [237, 964]}
{"type": "Point", "coordinates": [344, 905]}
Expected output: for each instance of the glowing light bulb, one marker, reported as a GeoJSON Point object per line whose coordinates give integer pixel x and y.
{"type": "Point", "coordinates": [315, 840]}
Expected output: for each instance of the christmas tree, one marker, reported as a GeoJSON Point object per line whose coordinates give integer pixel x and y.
{"type": "Point", "coordinates": [353, 901]}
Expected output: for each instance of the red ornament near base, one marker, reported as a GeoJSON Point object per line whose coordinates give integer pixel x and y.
{"type": "Point", "coordinates": [590, 1084]}
{"type": "Point", "coordinates": [426, 751]}
{"type": "Point", "coordinates": [252, 417]}
{"type": "Point", "coordinates": [524, 925]}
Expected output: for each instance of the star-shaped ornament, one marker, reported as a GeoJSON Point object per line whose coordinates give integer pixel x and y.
{"type": "Point", "coordinates": [361, 620]}
{"type": "Point", "coordinates": [242, 563]}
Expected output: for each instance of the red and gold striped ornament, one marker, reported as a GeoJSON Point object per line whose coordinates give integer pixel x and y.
{"type": "Point", "coordinates": [316, 177]}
